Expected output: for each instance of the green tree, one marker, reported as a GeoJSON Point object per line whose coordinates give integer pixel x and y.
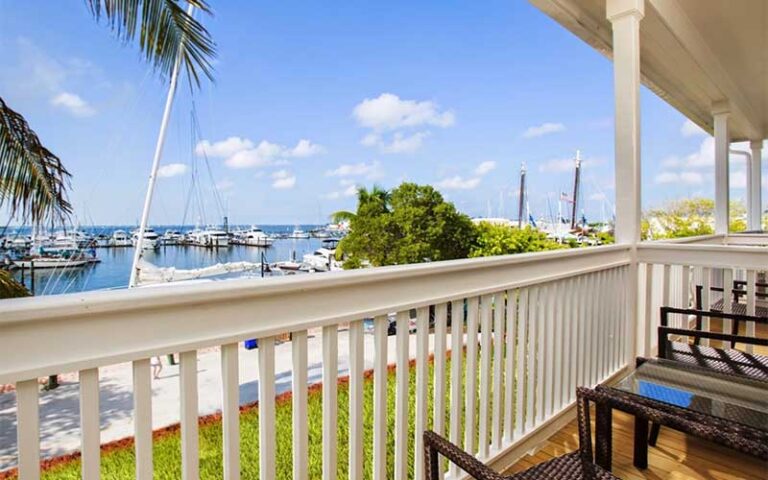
{"type": "Point", "coordinates": [411, 224]}
{"type": "Point", "coordinates": [33, 180]}
{"type": "Point", "coordinates": [689, 217]}
{"type": "Point", "coordinates": [505, 240]}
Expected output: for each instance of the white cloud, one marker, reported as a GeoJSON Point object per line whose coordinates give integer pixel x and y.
{"type": "Point", "coordinates": [283, 180]}
{"type": "Point", "coordinates": [684, 177]}
{"type": "Point", "coordinates": [224, 148]}
{"type": "Point", "coordinates": [543, 129]}
{"type": "Point", "coordinates": [171, 170]}
{"type": "Point", "coordinates": [389, 112]}
{"type": "Point", "coordinates": [241, 152]}
{"type": "Point", "coordinates": [404, 143]}
{"type": "Point", "coordinates": [458, 183]}
{"type": "Point", "coordinates": [562, 165]}
{"type": "Point", "coordinates": [362, 169]}
{"type": "Point", "coordinates": [690, 129]}
{"type": "Point", "coordinates": [371, 140]}
{"type": "Point", "coordinates": [398, 143]}
{"type": "Point", "coordinates": [74, 104]}
{"type": "Point", "coordinates": [305, 148]}
{"type": "Point", "coordinates": [225, 185]}
{"type": "Point", "coordinates": [349, 191]}
{"type": "Point", "coordinates": [704, 157]}
{"type": "Point", "coordinates": [485, 167]}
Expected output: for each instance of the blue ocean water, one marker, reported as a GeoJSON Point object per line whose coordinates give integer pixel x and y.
{"type": "Point", "coordinates": [114, 269]}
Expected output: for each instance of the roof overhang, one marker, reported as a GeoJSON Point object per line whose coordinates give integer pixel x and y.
{"type": "Point", "coordinates": [695, 54]}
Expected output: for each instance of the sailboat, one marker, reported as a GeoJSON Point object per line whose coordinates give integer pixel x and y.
{"type": "Point", "coordinates": [144, 273]}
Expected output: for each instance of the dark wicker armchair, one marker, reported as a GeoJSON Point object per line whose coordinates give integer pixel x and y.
{"type": "Point", "coordinates": [575, 465]}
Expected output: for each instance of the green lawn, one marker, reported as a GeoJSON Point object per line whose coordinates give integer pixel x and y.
{"type": "Point", "coordinates": [119, 463]}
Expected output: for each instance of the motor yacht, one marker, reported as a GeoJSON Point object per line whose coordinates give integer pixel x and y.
{"type": "Point", "coordinates": [209, 238]}
{"type": "Point", "coordinates": [256, 237]}
{"type": "Point", "coordinates": [120, 238]}
{"type": "Point", "coordinates": [150, 241]}
{"type": "Point", "coordinates": [298, 233]}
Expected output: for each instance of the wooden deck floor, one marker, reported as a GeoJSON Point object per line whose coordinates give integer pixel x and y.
{"type": "Point", "coordinates": [676, 456]}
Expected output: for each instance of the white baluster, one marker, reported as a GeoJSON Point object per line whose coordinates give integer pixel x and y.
{"type": "Point", "coordinates": [751, 305]}
{"type": "Point", "coordinates": [510, 402]}
{"type": "Point", "coordinates": [401, 396]}
{"type": "Point", "coordinates": [330, 400]}
{"type": "Point", "coordinates": [190, 444]}
{"type": "Point", "coordinates": [470, 384]}
{"type": "Point", "coordinates": [90, 460]}
{"type": "Point", "coordinates": [300, 431]}
{"type": "Point", "coordinates": [422, 384]}
{"type": "Point", "coordinates": [267, 437]}
{"type": "Point", "coordinates": [498, 357]}
{"type": "Point", "coordinates": [440, 353]}
{"type": "Point", "coordinates": [230, 410]}
{"type": "Point", "coordinates": [356, 399]}
{"type": "Point", "coordinates": [142, 418]}
{"type": "Point", "coordinates": [28, 429]}
{"type": "Point", "coordinates": [485, 372]}
{"type": "Point", "coordinates": [380, 328]}
{"type": "Point", "coordinates": [457, 353]}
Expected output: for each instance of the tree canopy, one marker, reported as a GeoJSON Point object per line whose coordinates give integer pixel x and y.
{"type": "Point", "coordinates": [505, 240]}
{"type": "Point", "coordinates": [689, 217]}
{"type": "Point", "coordinates": [410, 224]}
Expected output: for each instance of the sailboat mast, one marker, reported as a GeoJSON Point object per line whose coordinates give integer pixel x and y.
{"type": "Point", "coordinates": [576, 189]}
{"type": "Point", "coordinates": [156, 163]}
{"type": "Point", "coordinates": [521, 200]}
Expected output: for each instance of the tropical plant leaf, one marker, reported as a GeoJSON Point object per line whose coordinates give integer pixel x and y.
{"type": "Point", "coordinates": [33, 181]}
{"type": "Point", "coordinates": [342, 216]}
{"type": "Point", "coordinates": [10, 288]}
{"type": "Point", "coordinates": [164, 30]}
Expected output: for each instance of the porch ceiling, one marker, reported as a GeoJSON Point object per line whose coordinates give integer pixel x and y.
{"type": "Point", "coordinates": [693, 53]}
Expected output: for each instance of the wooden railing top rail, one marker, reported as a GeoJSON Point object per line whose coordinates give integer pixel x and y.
{"type": "Point", "coordinates": [704, 255]}
{"type": "Point", "coordinates": [50, 335]}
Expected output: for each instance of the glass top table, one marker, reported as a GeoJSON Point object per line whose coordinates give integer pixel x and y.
{"type": "Point", "coordinates": [731, 397]}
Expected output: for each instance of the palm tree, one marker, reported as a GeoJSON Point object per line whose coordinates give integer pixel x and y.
{"type": "Point", "coordinates": [376, 194]}
{"type": "Point", "coordinates": [33, 180]}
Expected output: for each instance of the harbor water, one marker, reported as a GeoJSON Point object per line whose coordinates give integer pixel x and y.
{"type": "Point", "coordinates": [114, 268]}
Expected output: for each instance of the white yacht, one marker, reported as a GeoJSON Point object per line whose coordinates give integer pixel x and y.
{"type": "Point", "coordinates": [321, 260]}
{"type": "Point", "coordinates": [172, 237]}
{"type": "Point", "coordinates": [120, 238]}
{"type": "Point", "coordinates": [46, 261]}
{"type": "Point", "coordinates": [210, 237]}
{"type": "Point", "coordinates": [298, 233]}
{"type": "Point", "coordinates": [150, 241]}
{"type": "Point", "coordinates": [62, 242]}
{"type": "Point", "coordinates": [256, 237]}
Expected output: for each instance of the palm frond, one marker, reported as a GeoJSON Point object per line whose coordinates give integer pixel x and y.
{"type": "Point", "coordinates": [342, 216]}
{"type": "Point", "coordinates": [10, 288]}
{"type": "Point", "coordinates": [164, 30]}
{"type": "Point", "coordinates": [33, 181]}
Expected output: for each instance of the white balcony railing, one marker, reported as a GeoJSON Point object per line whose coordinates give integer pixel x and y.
{"type": "Point", "coordinates": [534, 326]}
{"type": "Point", "coordinates": [538, 324]}
{"type": "Point", "coordinates": [670, 272]}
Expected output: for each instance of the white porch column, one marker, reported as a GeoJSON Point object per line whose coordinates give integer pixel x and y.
{"type": "Point", "coordinates": [625, 16]}
{"type": "Point", "coordinates": [721, 111]}
{"type": "Point", "coordinates": [754, 186]}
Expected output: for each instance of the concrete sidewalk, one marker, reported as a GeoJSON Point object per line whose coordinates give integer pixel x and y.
{"type": "Point", "coordinates": [59, 408]}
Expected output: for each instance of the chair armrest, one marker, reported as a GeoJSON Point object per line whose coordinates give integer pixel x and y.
{"type": "Point", "coordinates": [434, 444]}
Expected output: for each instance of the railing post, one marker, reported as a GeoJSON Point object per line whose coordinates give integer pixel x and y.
{"type": "Point", "coordinates": [625, 17]}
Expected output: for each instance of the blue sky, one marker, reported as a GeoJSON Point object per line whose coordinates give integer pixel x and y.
{"type": "Point", "coordinates": [314, 98]}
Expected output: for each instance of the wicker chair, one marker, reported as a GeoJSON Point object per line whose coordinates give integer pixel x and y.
{"type": "Point", "coordinates": [572, 466]}
{"type": "Point", "coordinates": [728, 361]}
